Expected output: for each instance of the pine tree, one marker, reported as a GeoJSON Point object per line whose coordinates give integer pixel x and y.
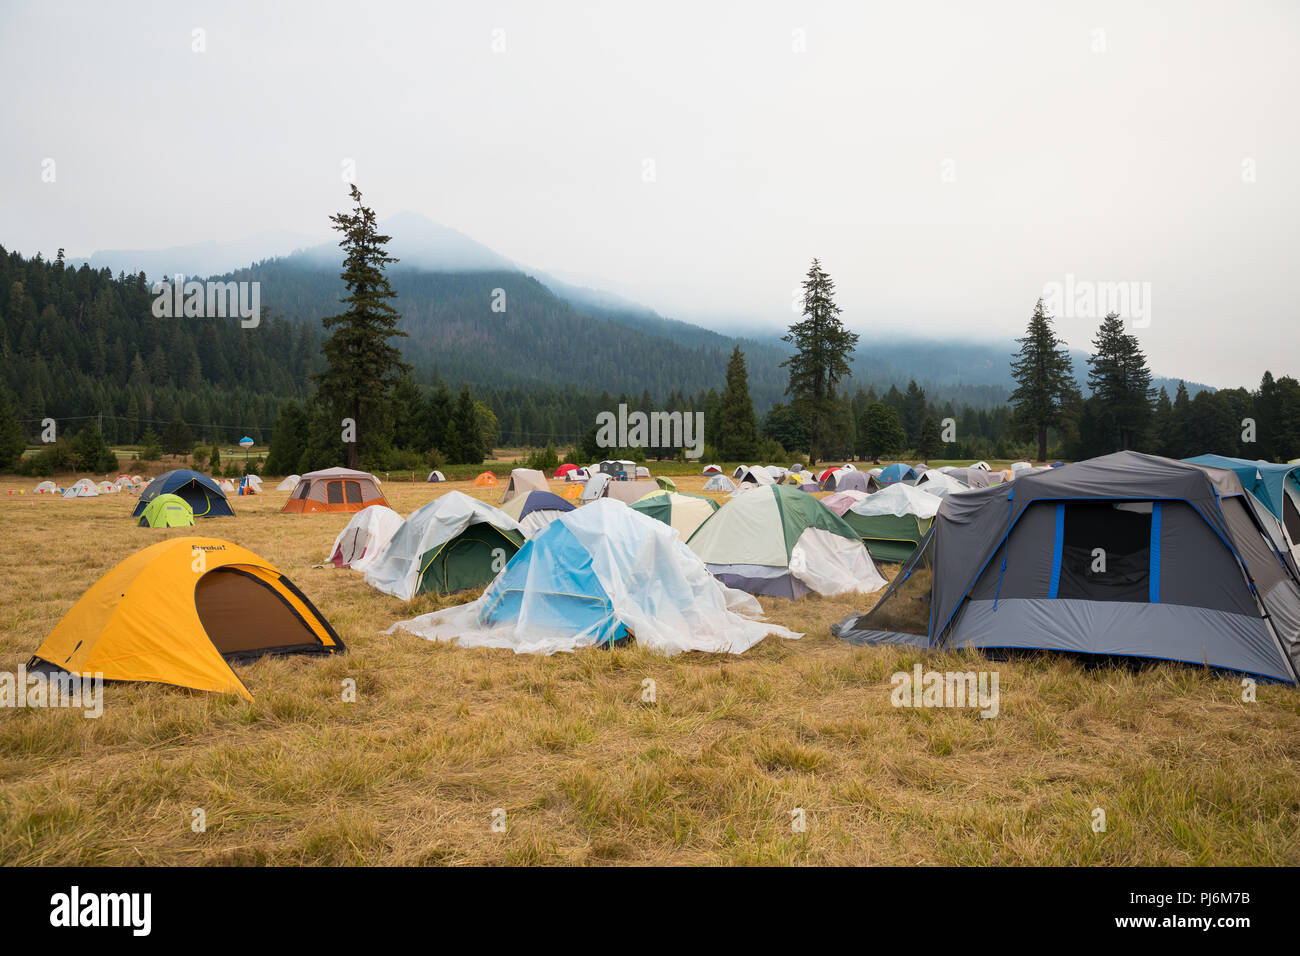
{"type": "Point", "coordinates": [177, 439]}
{"type": "Point", "coordinates": [361, 364]}
{"type": "Point", "coordinates": [1120, 380]}
{"type": "Point", "coordinates": [823, 350]}
{"type": "Point", "coordinates": [288, 439]}
{"type": "Point", "coordinates": [737, 434]}
{"type": "Point", "coordinates": [1044, 379]}
{"type": "Point", "coordinates": [929, 444]}
{"type": "Point", "coordinates": [881, 431]}
{"type": "Point", "coordinates": [469, 442]}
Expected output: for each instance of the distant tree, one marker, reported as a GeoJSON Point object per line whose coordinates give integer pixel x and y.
{"type": "Point", "coordinates": [90, 452]}
{"type": "Point", "coordinates": [288, 439]}
{"type": "Point", "coordinates": [929, 444]}
{"type": "Point", "coordinates": [783, 424]}
{"type": "Point", "coordinates": [12, 440]}
{"type": "Point", "coordinates": [150, 448]}
{"type": "Point", "coordinates": [881, 431]}
{"type": "Point", "coordinates": [1044, 379]}
{"type": "Point", "coordinates": [177, 438]}
{"type": "Point", "coordinates": [214, 461]}
{"type": "Point", "coordinates": [913, 412]}
{"type": "Point", "coordinates": [823, 348]}
{"type": "Point", "coordinates": [361, 364]}
{"type": "Point", "coordinates": [465, 431]}
{"type": "Point", "coordinates": [1120, 380]}
{"type": "Point", "coordinates": [736, 437]}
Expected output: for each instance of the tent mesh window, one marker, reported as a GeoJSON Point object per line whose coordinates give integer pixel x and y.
{"type": "Point", "coordinates": [904, 608]}
{"type": "Point", "coordinates": [334, 492]}
{"type": "Point", "coordinates": [1291, 517]}
{"type": "Point", "coordinates": [303, 488]}
{"type": "Point", "coordinates": [353, 491]}
{"type": "Point", "coordinates": [1106, 551]}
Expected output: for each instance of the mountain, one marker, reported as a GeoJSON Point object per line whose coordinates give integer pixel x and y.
{"type": "Point", "coordinates": [198, 259]}
{"type": "Point", "coordinates": [445, 281]}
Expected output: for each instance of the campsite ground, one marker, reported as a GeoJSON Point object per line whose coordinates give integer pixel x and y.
{"type": "Point", "coordinates": [585, 770]}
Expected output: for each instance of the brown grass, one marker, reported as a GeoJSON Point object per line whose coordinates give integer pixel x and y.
{"type": "Point", "coordinates": [584, 770]}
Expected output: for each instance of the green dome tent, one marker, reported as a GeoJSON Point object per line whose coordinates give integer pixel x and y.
{"type": "Point", "coordinates": [167, 511]}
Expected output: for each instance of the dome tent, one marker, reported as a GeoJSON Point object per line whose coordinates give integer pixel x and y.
{"type": "Point", "coordinates": [149, 620]}
{"type": "Point", "coordinates": [778, 540]}
{"type": "Point", "coordinates": [436, 476]}
{"type": "Point", "coordinates": [484, 479]}
{"type": "Point", "coordinates": [334, 490]}
{"type": "Point", "coordinates": [82, 488]}
{"type": "Point", "coordinates": [1190, 574]}
{"type": "Point", "coordinates": [364, 537]}
{"type": "Point", "coordinates": [892, 474]}
{"type": "Point", "coordinates": [684, 513]}
{"type": "Point", "coordinates": [523, 480]}
{"type": "Point", "coordinates": [167, 511]}
{"type": "Point", "coordinates": [451, 544]}
{"type": "Point", "coordinates": [534, 510]}
{"type": "Point", "coordinates": [893, 521]}
{"type": "Point", "coordinates": [289, 483]}
{"type": "Point", "coordinates": [199, 491]}
{"type": "Point", "coordinates": [46, 487]}
{"type": "Point", "coordinates": [719, 483]}
{"type": "Point", "coordinates": [598, 575]}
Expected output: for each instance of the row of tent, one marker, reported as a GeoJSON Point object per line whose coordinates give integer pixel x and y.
{"type": "Point", "coordinates": [1200, 567]}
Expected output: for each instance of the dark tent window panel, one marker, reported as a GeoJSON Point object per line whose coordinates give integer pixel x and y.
{"type": "Point", "coordinates": [1122, 534]}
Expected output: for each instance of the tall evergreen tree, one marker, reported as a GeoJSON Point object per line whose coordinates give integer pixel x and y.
{"type": "Point", "coordinates": [881, 431]}
{"type": "Point", "coordinates": [929, 443]}
{"type": "Point", "coordinates": [1044, 379]}
{"type": "Point", "coordinates": [288, 439]}
{"type": "Point", "coordinates": [361, 364]}
{"type": "Point", "coordinates": [737, 435]}
{"type": "Point", "coordinates": [1121, 382]}
{"type": "Point", "coordinates": [823, 349]}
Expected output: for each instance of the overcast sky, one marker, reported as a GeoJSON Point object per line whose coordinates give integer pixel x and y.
{"type": "Point", "coordinates": [944, 160]}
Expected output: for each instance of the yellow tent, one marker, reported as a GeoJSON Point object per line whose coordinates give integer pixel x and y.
{"type": "Point", "coordinates": [179, 612]}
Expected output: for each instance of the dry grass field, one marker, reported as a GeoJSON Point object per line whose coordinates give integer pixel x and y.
{"type": "Point", "coordinates": [586, 772]}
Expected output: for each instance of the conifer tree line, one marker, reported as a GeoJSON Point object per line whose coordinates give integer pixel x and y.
{"type": "Point", "coordinates": [80, 346]}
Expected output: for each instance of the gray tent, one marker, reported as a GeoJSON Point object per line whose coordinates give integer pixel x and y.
{"type": "Point", "coordinates": [849, 480]}
{"type": "Point", "coordinates": [1127, 554]}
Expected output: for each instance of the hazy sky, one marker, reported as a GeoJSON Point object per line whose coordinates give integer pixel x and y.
{"type": "Point", "coordinates": [944, 160]}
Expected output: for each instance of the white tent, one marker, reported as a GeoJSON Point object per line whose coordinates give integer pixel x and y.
{"type": "Point", "coordinates": [46, 487]}
{"type": "Point", "coordinates": [397, 570]}
{"type": "Point", "coordinates": [719, 483]}
{"type": "Point", "coordinates": [288, 484]}
{"type": "Point", "coordinates": [755, 476]}
{"type": "Point", "coordinates": [436, 475]}
{"type": "Point", "coordinates": [83, 488]}
{"type": "Point", "coordinates": [982, 466]}
{"type": "Point", "coordinates": [365, 537]}
{"type": "Point", "coordinates": [642, 471]}
{"type": "Point", "coordinates": [625, 575]}
{"type": "Point", "coordinates": [254, 480]}
{"type": "Point", "coordinates": [711, 470]}
{"type": "Point", "coordinates": [1020, 465]}
{"type": "Point", "coordinates": [579, 474]}
{"type": "Point", "coordinates": [106, 487]}
{"type": "Point", "coordinates": [595, 487]}
{"type": "Point", "coordinates": [225, 484]}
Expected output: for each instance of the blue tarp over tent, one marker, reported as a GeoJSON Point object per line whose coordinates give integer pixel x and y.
{"type": "Point", "coordinates": [199, 491]}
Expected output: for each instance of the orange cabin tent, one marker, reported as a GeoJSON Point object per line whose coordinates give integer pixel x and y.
{"type": "Point", "coordinates": [487, 478]}
{"type": "Point", "coordinates": [179, 612]}
{"type": "Point", "coordinates": [334, 489]}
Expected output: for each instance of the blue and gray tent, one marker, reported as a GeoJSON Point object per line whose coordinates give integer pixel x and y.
{"type": "Point", "coordinates": [1276, 486]}
{"type": "Point", "coordinates": [1125, 555]}
{"type": "Point", "coordinates": [199, 491]}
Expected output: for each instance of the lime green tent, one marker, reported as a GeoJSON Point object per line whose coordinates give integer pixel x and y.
{"type": "Point", "coordinates": [666, 484]}
{"type": "Point", "coordinates": [167, 511]}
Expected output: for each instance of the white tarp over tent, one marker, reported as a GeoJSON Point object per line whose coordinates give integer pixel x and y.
{"type": "Point", "coordinates": [649, 581]}
{"type": "Point", "coordinates": [898, 500]}
{"type": "Point", "coordinates": [719, 483]}
{"type": "Point", "coordinates": [938, 483]}
{"type": "Point", "coordinates": [360, 543]}
{"type": "Point", "coordinates": [397, 569]}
